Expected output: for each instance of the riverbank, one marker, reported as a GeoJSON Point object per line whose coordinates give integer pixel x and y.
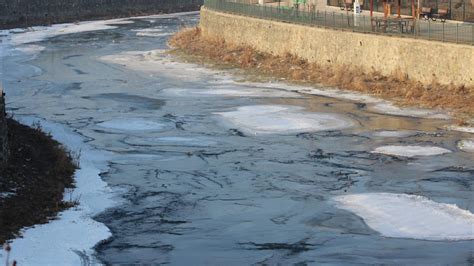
{"type": "Point", "coordinates": [398, 88]}
{"type": "Point", "coordinates": [34, 180]}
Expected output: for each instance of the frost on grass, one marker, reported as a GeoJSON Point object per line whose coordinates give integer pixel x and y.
{"type": "Point", "coordinates": [466, 145]}
{"type": "Point", "coordinates": [410, 216]}
{"type": "Point", "coordinates": [132, 125]}
{"type": "Point", "coordinates": [280, 119]}
{"type": "Point", "coordinates": [410, 151]}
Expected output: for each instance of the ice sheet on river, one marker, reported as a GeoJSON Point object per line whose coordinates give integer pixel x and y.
{"type": "Point", "coordinates": [410, 150]}
{"type": "Point", "coordinates": [410, 216]}
{"type": "Point", "coordinates": [281, 119]}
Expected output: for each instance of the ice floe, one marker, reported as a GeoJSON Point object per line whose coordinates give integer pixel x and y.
{"type": "Point", "coordinates": [466, 145]}
{"type": "Point", "coordinates": [410, 216]}
{"type": "Point", "coordinates": [171, 141]}
{"type": "Point", "coordinates": [132, 124]}
{"type": "Point", "coordinates": [389, 108]}
{"type": "Point", "coordinates": [30, 49]}
{"type": "Point", "coordinates": [61, 240]}
{"type": "Point", "coordinates": [394, 133]}
{"type": "Point", "coordinates": [155, 32]}
{"type": "Point", "coordinates": [281, 119]}
{"type": "Point", "coordinates": [462, 129]}
{"type": "Point", "coordinates": [410, 150]}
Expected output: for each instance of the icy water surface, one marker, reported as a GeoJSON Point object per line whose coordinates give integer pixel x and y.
{"type": "Point", "coordinates": [214, 171]}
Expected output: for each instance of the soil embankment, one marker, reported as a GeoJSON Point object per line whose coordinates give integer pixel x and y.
{"type": "Point", "coordinates": [33, 181]}
{"type": "Point", "coordinates": [398, 88]}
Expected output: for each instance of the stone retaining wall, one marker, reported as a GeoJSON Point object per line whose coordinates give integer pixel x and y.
{"type": "Point", "coordinates": [420, 60]}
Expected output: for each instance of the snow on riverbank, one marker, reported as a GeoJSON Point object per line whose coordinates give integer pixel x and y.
{"type": "Point", "coordinates": [279, 119]}
{"type": "Point", "coordinates": [61, 240]}
{"type": "Point", "coordinates": [410, 216]}
{"type": "Point", "coordinates": [410, 151]}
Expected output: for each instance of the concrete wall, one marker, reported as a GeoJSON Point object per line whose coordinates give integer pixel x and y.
{"type": "Point", "coordinates": [419, 59]}
{"type": "Point", "coordinates": [21, 13]}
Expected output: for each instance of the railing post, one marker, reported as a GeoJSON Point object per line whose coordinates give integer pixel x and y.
{"type": "Point", "coordinates": [429, 30]}
{"type": "Point", "coordinates": [457, 32]}
{"type": "Point", "coordinates": [326, 13]}
{"type": "Point", "coordinates": [334, 20]}
{"type": "Point", "coordinates": [443, 33]}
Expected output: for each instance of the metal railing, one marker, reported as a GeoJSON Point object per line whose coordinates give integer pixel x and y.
{"type": "Point", "coordinates": [421, 29]}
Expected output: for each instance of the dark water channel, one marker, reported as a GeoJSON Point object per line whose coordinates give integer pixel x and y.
{"type": "Point", "coordinates": [200, 190]}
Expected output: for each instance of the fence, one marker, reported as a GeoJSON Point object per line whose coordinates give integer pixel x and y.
{"type": "Point", "coordinates": [462, 10]}
{"type": "Point", "coordinates": [429, 30]}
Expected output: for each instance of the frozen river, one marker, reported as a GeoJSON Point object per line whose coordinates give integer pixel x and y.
{"type": "Point", "coordinates": [202, 167]}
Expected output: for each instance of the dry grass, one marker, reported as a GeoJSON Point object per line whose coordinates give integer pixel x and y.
{"type": "Point", "coordinates": [398, 88]}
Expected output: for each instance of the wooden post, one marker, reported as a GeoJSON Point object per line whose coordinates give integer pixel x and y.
{"type": "Point", "coordinates": [399, 8]}
{"type": "Point", "coordinates": [372, 8]}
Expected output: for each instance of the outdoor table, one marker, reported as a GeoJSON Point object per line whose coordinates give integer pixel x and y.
{"type": "Point", "coordinates": [401, 25]}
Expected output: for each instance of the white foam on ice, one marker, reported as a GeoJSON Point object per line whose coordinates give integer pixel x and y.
{"type": "Point", "coordinates": [410, 216]}
{"type": "Point", "coordinates": [280, 119]}
{"type": "Point", "coordinates": [466, 145]}
{"type": "Point", "coordinates": [410, 150]}
{"type": "Point", "coordinates": [57, 242]}
{"type": "Point", "coordinates": [389, 108]}
{"type": "Point", "coordinates": [132, 124]}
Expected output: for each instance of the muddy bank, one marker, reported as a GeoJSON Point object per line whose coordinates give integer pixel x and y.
{"type": "Point", "coordinates": [398, 88]}
{"type": "Point", "coordinates": [33, 182]}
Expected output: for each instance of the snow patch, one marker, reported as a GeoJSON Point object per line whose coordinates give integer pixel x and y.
{"type": "Point", "coordinates": [132, 124]}
{"type": "Point", "coordinates": [57, 242]}
{"type": "Point", "coordinates": [410, 150]}
{"type": "Point", "coordinates": [466, 145]}
{"type": "Point", "coordinates": [280, 119]}
{"type": "Point", "coordinates": [410, 216]}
